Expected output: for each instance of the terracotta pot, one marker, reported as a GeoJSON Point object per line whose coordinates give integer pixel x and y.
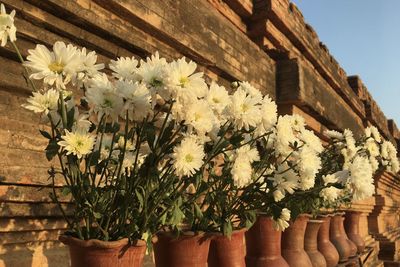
{"type": "Point", "coordinates": [353, 247]}
{"type": "Point", "coordinates": [325, 246]}
{"type": "Point", "coordinates": [311, 243]}
{"type": "Point", "coordinates": [293, 243]}
{"type": "Point", "coordinates": [186, 250]}
{"type": "Point", "coordinates": [338, 239]}
{"type": "Point", "coordinates": [97, 253]}
{"type": "Point", "coordinates": [351, 224]}
{"type": "Point", "coordinates": [263, 245]}
{"type": "Point", "coordinates": [227, 252]}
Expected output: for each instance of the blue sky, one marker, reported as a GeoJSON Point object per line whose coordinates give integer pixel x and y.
{"type": "Point", "coordinates": [364, 37]}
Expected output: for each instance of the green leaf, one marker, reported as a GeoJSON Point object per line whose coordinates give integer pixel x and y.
{"type": "Point", "coordinates": [45, 134]}
{"type": "Point", "coordinates": [52, 149]}
{"type": "Point", "coordinates": [150, 134]}
{"type": "Point", "coordinates": [227, 229]}
{"type": "Point", "coordinates": [70, 118]}
{"type": "Point", "coordinates": [177, 216]}
{"type": "Point", "coordinates": [197, 211]}
{"type": "Point", "coordinates": [66, 190]}
{"type": "Point", "coordinates": [97, 215]}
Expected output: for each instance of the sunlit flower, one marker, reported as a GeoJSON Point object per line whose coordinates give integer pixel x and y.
{"type": "Point", "coordinates": [153, 72]}
{"type": "Point", "coordinates": [43, 103]}
{"type": "Point", "coordinates": [7, 27]}
{"type": "Point", "coordinates": [282, 222]}
{"type": "Point", "coordinates": [103, 98]}
{"type": "Point", "coordinates": [77, 143]}
{"type": "Point", "coordinates": [82, 122]}
{"type": "Point", "coordinates": [188, 157]}
{"type": "Point", "coordinates": [184, 82]}
{"type": "Point", "coordinates": [361, 179]}
{"type": "Point", "coordinates": [218, 98]}
{"type": "Point", "coordinates": [330, 194]}
{"type": "Point", "coordinates": [137, 99]}
{"type": "Point", "coordinates": [88, 65]}
{"type": "Point", "coordinates": [244, 110]}
{"type": "Point", "coordinates": [333, 134]}
{"type": "Point", "coordinates": [125, 68]}
{"type": "Point", "coordinates": [250, 90]}
{"type": "Point", "coordinates": [199, 115]}
{"type": "Point", "coordinates": [57, 67]}
{"type": "Point", "coordinates": [269, 115]}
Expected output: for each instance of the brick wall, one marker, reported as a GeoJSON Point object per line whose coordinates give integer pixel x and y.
{"type": "Point", "coordinates": [264, 41]}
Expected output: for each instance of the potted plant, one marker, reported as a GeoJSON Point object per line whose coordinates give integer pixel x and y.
{"type": "Point", "coordinates": [121, 143]}
{"type": "Point", "coordinates": [292, 154]}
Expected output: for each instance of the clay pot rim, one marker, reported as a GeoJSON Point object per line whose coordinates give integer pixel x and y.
{"type": "Point", "coordinates": [339, 213]}
{"type": "Point", "coordinates": [325, 215]}
{"type": "Point", "coordinates": [96, 243]}
{"type": "Point", "coordinates": [182, 235]}
{"type": "Point", "coordinates": [219, 234]}
{"type": "Point", "coordinates": [315, 221]}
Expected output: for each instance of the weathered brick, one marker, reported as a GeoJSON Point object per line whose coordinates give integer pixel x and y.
{"type": "Point", "coordinates": [299, 84]}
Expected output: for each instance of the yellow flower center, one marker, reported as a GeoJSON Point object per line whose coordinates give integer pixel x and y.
{"type": "Point", "coordinates": [107, 103]}
{"type": "Point", "coordinates": [189, 158]}
{"type": "Point", "coordinates": [197, 116]}
{"type": "Point", "coordinates": [216, 100]}
{"type": "Point", "coordinates": [79, 143]}
{"type": "Point", "coordinates": [183, 81]}
{"type": "Point", "coordinates": [244, 107]}
{"type": "Point", "coordinates": [56, 67]}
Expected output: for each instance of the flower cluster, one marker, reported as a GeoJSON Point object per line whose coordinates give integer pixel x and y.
{"type": "Point", "coordinates": [151, 144]}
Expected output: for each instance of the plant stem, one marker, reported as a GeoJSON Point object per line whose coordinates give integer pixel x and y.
{"type": "Point", "coordinates": [26, 70]}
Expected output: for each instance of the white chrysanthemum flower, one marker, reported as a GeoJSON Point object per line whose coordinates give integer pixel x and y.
{"type": "Point", "coordinates": [373, 132]}
{"type": "Point", "coordinates": [77, 143]}
{"type": "Point", "coordinates": [137, 99]}
{"type": "Point", "coordinates": [218, 98]}
{"type": "Point", "coordinates": [332, 134]}
{"type": "Point", "coordinates": [278, 195]}
{"type": "Point", "coordinates": [153, 72]}
{"type": "Point", "coordinates": [350, 142]}
{"type": "Point", "coordinates": [372, 147]}
{"type": "Point", "coordinates": [188, 157]}
{"type": "Point", "coordinates": [199, 115]}
{"type": "Point", "coordinates": [285, 180]}
{"type": "Point", "coordinates": [183, 82]}
{"type": "Point", "coordinates": [241, 172]}
{"type": "Point", "coordinates": [251, 90]}
{"type": "Point", "coordinates": [389, 157]}
{"type": "Point", "coordinates": [330, 194]}
{"type": "Point", "coordinates": [89, 68]}
{"type": "Point", "coordinates": [309, 164]}
{"type": "Point", "coordinates": [285, 135]}
{"type": "Point", "coordinates": [82, 122]}
{"type": "Point", "coordinates": [269, 113]}
{"type": "Point", "coordinates": [283, 221]}
{"type": "Point", "coordinates": [103, 97]}
{"type": "Point", "coordinates": [125, 68]}
{"type": "Point", "coordinates": [311, 140]}
{"type": "Point", "coordinates": [361, 179]}
{"type": "Point", "coordinates": [57, 67]}
{"type": "Point", "coordinates": [7, 27]}
{"type": "Point", "coordinates": [244, 110]}
{"type": "Point", "coordinates": [247, 153]}
{"type": "Point", "coordinates": [43, 103]}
